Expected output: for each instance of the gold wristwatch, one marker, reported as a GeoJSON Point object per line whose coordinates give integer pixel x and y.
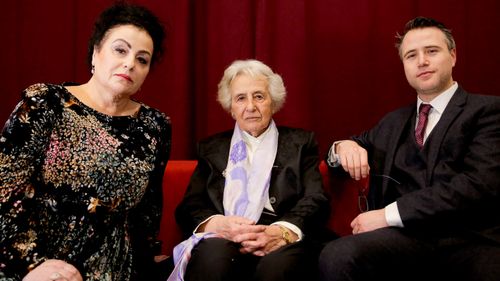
{"type": "Point", "coordinates": [285, 235]}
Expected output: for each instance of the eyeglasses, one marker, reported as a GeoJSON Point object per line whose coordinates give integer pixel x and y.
{"type": "Point", "coordinates": [362, 193]}
{"type": "Point", "coordinates": [363, 185]}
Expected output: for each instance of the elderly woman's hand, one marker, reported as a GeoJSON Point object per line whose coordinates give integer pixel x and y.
{"type": "Point", "coordinates": [54, 270]}
{"type": "Point", "coordinates": [264, 243]}
{"type": "Point", "coordinates": [230, 227]}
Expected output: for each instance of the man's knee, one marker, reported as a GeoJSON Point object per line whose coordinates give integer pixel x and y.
{"type": "Point", "coordinates": [336, 259]}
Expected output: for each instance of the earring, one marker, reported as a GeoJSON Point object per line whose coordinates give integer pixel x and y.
{"type": "Point", "coordinates": [92, 70]}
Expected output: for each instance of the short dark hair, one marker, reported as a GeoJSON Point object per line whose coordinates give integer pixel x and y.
{"type": "Point", "coordinates": [122, 13]}
{"type": "Point", "coordinates": [422, 22]}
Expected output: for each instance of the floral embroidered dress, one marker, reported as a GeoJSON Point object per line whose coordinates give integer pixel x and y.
{"type": "Point", "coordinates": [80, 186]}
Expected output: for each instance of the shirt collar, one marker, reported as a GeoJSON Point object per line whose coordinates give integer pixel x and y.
{"type": "Point", "coordinates": [251, 141]}
{"type": "Point", "coordinates": [440, 102]}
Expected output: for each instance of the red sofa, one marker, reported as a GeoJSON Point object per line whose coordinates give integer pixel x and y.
{"type": "Point", "coordinates": [343, 193]}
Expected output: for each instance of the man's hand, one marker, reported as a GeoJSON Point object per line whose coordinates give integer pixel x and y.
{"type": "Point", "coordinates": [354, 159]}
{"type": "Point", "coordinates": [369, 221]}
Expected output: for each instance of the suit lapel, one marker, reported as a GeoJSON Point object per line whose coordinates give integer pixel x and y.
{"type": "Point", "coordinates": [435, 139]}
{"type": "Point", "coordinates": [280, 156]}
{"type": "Point", "coordinates": [287, 146]}
{"type": "Point", "coordinates": [218, 157]}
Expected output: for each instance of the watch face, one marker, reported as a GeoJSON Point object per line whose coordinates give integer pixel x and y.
{"type": "Point", "coordinates": [285, 235]}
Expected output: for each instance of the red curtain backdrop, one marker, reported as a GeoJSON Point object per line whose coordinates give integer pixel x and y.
{"type": "Point", "coordinates": [337, 57]}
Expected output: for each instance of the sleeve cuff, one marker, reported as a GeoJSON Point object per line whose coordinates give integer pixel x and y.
{"type": "Point", "coordinates": [201, 223]}
{"type": "Point", "coordinates": [292, 227]}
{"type": "Point", "coordinates": [392, 215]}
{"type": "Point", "coordinates": [333, 159]}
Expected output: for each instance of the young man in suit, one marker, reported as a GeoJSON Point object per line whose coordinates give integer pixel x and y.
{"type": "Point", "coordinates": [434, 177]}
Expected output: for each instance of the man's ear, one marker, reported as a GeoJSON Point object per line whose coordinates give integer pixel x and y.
{"type": "Point", "coordinates": [453, 53]}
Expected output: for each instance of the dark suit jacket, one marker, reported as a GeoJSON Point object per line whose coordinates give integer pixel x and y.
{"type": "Point", "coordinates": [295, 192]}
{"type": "Point", "coordinates": [461, 183]}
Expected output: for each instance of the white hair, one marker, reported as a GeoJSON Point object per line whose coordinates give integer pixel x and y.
{"type": "Point", "coordinates": [253, 68]}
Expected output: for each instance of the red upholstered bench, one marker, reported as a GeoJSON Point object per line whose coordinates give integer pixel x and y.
{"type": "Point", "coordinates": [343, 193]}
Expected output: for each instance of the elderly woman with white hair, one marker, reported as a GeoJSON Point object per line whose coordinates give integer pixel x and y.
{"type": "Point", "coordinates": [255, 204]}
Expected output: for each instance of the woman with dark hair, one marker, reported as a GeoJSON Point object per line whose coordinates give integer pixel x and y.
{"type": "Point", "coordinates": [81, 166]}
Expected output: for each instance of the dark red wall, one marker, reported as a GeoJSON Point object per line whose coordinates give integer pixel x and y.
{"type": "Point", "coordinates": [337, 57]}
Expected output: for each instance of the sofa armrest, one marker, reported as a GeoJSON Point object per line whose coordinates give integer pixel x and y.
{"type": "Point", "coordinates": [343, 193]}
{"type": "Point", "coordinates": [175, 181]}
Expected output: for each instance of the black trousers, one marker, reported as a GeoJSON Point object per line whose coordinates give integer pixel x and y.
{"type": "Point", "coordinates": [219, 259]}
{"type": "Point", "coordinates": [395, 254]}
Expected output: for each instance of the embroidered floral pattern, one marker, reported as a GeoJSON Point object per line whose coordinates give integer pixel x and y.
{"type": "Point", "coordinates": [239, 152]}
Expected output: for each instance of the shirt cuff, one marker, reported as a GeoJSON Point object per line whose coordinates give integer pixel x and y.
{"type": "Point", "coordinates": [201, 223]}
{"type": "Point", "coordinates": [392, 215]}
{"type": "Point", "coordinates": [292, 227]}
{"type": "Point", "coordinates": [333, 159]}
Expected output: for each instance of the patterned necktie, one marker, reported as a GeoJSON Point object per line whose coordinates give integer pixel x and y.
{"type": "Point", "coordinates": [422, 123]}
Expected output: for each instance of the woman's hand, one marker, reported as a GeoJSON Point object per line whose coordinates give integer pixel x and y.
{"type": "Point", "coordinates": [265, 242]}
{"type": "Point", "coordinates": [54, 270]}
{"type": "Point", "coordinates": [230, 227]}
